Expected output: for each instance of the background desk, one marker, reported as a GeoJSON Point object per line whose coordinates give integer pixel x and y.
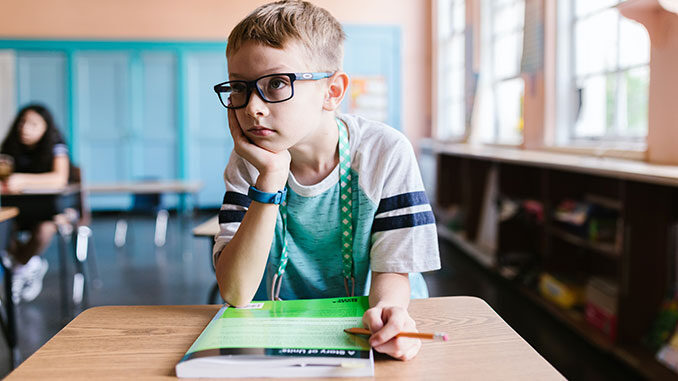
{"type": "Point", "coordinates": [43, 204]}
{"type": "Point", "coordinates": [146, 342]}
{"type": "Point", "coordinates": [179, 187]}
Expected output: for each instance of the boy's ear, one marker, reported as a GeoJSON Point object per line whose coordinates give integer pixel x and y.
{"type": "Point", "coordinates": [338, 84]}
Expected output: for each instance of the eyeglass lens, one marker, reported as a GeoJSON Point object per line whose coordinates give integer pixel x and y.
{"type": "Point", "coordinates": [273, 89]}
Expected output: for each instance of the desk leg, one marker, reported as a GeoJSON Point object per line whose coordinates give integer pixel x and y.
{"type": "Point", "coordinates": [9, 323]}
{"type": "Point", "coordinates": [10, 327]}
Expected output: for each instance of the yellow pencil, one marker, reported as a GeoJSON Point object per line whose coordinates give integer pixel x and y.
{"type": "Point", "coordinates": [439, 336]}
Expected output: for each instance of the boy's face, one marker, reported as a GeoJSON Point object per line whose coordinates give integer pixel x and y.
{"type": "Point", "coordinates": [278, 126]}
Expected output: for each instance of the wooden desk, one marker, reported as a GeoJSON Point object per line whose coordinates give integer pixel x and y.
{"type": "Point", "coordinates": [209, 228]}
{"type": "Point", "coordinates": [146, 342]}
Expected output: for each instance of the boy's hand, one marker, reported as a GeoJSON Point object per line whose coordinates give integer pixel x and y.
{"type": "Point", "coordinates": [385, 322]}
{"type": "Point", "coordinates": [273, 167]}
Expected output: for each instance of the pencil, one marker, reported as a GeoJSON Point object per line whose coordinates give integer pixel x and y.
{"type": "Point", "coordinates": [438, 336]}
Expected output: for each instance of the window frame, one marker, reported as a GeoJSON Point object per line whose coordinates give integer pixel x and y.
{"type": "Point", "coordinates": [567, 88]}
{"type": "Point", "coordinates": [496, 81]}
{"type": "Point", "coordinates": [443, 129]}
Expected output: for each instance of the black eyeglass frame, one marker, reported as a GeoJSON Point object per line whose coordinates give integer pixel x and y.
{"type": "Point", "coordinates": [220, 87]}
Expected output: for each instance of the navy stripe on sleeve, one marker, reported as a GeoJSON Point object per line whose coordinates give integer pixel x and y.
{"type": "Point", "coordinates": [226, 216]}
{"type": "Point", "coordinates": [235, 198]}
{"type": "Point", "coordinates": [404, 221]}
{"type": "Point", "coordinates": [400, 201]}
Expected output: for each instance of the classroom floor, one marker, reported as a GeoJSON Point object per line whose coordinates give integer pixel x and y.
{"type": "Point", "coordinates": [180, 273]}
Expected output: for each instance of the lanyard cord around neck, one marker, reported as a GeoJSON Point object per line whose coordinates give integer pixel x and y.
{"type": "Point", "coordinates": [346, 213]}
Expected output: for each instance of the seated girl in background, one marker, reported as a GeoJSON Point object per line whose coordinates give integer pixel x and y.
{"type": "Point", "coordinates": [40, 161]}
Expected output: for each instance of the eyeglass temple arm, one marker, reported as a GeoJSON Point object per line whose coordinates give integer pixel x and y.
{"type": "Point", "coordinates": [313, 76]}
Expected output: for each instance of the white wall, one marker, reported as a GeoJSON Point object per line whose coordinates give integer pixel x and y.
{"type": "Point", "coordinates": [7, 91]}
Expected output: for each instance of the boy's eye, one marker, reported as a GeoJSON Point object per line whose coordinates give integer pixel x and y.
{"type": "Point", "coordinates": [278, 83]}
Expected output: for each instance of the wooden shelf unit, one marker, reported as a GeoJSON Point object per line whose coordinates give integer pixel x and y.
{"type": "Point", "coordinates": [637, 260]}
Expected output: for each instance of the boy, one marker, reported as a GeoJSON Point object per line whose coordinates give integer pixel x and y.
{"type": "Point", "coordinates": [317, 204]}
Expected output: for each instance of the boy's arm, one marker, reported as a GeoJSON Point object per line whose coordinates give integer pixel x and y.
{"type": "Point", "coordinates": [240, 265]}
{"type": "Point", "coordinates": [389, 298]}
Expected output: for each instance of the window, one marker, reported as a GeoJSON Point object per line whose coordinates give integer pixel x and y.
{"type": "Point", "coordinates": [450, 87]}
{"type": "Point", "coordinates": [605, 75]}
{"type": "Point", "coordinates": [505, 31]}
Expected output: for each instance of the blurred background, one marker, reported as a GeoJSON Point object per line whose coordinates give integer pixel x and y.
{"type": "Point", "coordinates": [545, 131]}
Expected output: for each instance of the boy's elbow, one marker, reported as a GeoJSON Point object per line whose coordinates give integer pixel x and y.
{"type": "Point", "coordinates": [234, 295]}
{"type": "Point", "coordinates": [236, 300]}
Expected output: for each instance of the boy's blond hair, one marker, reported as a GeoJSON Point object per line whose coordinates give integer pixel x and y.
{"type": "Point", "coordinates": [276, 24]}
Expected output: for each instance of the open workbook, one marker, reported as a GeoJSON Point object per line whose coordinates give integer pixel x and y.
{"type": "Point", "coordinates": [295, 338]}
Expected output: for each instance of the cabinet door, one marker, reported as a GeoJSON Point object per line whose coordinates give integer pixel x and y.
{"type": "Point", "coordinates": [41, 78]}
{"type": "Point", "coordinates": [372, 58]}
{"type": "Point", "coordinates": [103, 115]}
{"type": "Point", "coordinates": [154, 123]}
{"type": "Point", "coordinates": [210, 142]}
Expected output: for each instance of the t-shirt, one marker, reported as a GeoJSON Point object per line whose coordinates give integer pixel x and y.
{"type": "Point", "coordinates": [31, 161]}
{"type": "Point", "coordinates": [393, 224]}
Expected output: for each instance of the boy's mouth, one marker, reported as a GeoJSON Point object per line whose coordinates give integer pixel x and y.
{"type": "Point", "coordinates": [260, 131]}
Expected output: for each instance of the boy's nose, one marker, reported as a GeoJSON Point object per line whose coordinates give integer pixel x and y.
{"type": "Point", "coordinates": [256, 106]}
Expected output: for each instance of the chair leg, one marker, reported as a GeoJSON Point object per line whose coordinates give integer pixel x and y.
{"type": "Point", "coordinates": [78, 288]}
{"type": "Point", "coordinates": [161, 227]}
{"type": "Point", "coordinates": [120, 236]}
{"type": "Point", "coordinates": [84, 232]}
{"type": "Point", "coordinates": [79, 257]}
{"type": "Point", "coordinates": [63, 275]}
{"type": "Point", "coordinates": [84, 254]}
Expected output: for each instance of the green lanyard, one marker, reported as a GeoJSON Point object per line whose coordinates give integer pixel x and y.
{"type": "Point", "coordinates": [346, 213]}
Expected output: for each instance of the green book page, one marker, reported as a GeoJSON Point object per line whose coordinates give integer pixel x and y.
{"type": "Point", "coordinates": [308, 324]}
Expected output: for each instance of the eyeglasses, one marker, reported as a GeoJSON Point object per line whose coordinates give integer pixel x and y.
{"type": "Point", "coordinates": [272, 88]}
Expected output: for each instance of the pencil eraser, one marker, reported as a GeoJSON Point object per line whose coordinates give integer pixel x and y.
{"type": "Point", "coordinates": [445, 338]}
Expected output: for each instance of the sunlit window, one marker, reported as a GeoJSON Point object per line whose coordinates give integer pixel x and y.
{"type": "Point", "coordinates": [450, 85]}
{"type": "Point", "coordinates": [506, 39]}
{"type": "Point", "coordinates": [610, 56]}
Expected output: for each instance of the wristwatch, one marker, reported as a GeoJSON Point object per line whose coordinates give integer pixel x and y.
{"type": "Point", "coordinates": [267, 198]}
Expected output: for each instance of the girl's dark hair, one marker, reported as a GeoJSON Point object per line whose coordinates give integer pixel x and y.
{"type": "Point", "coordinates": [42, 153]}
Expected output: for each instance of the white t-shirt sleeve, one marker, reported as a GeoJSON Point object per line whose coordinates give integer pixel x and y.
{"type": "Point", "coordinates": [60, 149]}
{"type": "Point", "coordinates": [237, 178]}
{"type": "Point", "coordinates": [404, 236]}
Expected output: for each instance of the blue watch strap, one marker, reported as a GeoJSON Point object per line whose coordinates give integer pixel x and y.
{"type": "Point", "coordinates": [267, 198]}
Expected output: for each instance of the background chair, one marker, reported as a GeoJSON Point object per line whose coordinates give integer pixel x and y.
{"type": "Point", "coordinates": [76, 221]}
{"type": "Point", "coordinates": [145, 203]}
